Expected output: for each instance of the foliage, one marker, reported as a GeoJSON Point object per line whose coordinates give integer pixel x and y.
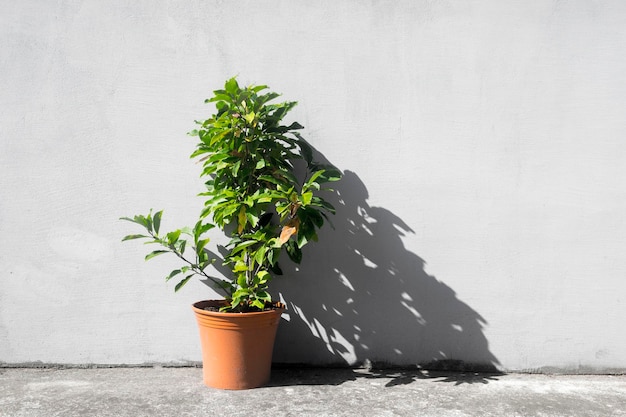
{"type": "Point", "coordinates": [263, 189]}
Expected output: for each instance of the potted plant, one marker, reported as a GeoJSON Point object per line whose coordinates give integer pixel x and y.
{"type": "Point", "coordinates": [263, 190]}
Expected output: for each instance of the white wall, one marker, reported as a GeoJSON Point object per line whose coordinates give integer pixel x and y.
{"type": "Point", "coordinates": [484, 207]}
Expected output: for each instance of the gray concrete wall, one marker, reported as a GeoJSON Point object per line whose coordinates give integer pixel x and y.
{"type": "Point", "coordinates": [483, 212]}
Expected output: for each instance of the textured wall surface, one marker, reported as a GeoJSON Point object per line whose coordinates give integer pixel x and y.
{"type": "Point", "coordinates": [482, 215]}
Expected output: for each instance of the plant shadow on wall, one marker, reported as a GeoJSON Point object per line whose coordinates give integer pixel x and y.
{"type": "Point", "coordinates": [362, 298]}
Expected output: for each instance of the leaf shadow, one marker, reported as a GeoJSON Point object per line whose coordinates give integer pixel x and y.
{"type": "Point", "coordinates": [294, 376]}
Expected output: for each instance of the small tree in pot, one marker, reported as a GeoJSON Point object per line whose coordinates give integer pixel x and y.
{"type": "Point", "coordinates": [263, 190]}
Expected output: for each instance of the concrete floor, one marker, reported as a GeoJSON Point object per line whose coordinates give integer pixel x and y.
{"type": "Point", "coordinates": [179, 392]}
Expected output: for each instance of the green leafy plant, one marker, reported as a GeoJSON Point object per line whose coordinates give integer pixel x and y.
{"type": "Point", "coordinates": [263, 189]}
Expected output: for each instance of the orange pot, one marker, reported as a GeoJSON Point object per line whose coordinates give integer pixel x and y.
{"type": "Point", "coordinates": [236, 347]}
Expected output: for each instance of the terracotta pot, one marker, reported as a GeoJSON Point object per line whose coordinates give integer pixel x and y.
{"type": "Point", "coordinates": [236, 347]}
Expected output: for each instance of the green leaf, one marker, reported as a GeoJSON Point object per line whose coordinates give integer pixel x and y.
{"type": "Point", "coordinates": [181, 246]}
{"type": "Point", "coordinates": [311, 180]}
{"type": "Point", "coordinates": [155, 253]}
{"type": "Point", "coordinates": [219, 97]}
{"type": "Point", "coordinates": [199, 151]}
{"type": "Point", "coordinates": [156, 220]}
{"type": "Point", "coordinates": [259, 257]}
{"type": "Point", "coordinates": [139, 219]}
{"type": "Point", "coordinates": [272, 255]}
{"type": "Point", "coordinates": [218, 157]}
{"type": "Point", "coordinates": [231, 86]}
{"type": "Point", "coordinates": [263, 295]}
{"type": "Point", "coordinates": [242, 246]}
{"type": "Point", "coordinates": [172, 237]}
{"type": "Point", "coordinates": [270, 179]}
{"type": "Point", "coordinates": [238, 297]}
{"type": "Point", "coordinates": [315, 216]}
{"type": "Point", "coordinates": [249, 117]}
{"type": "Point", "coordinates": [130, 237]}
{"type": "Point", "coordinates": [318, 202]}
{"type": "Point", "coordinates": [288, 176]}
{"type": "Point", "coordinates": [131, 220]}
{"type": "Point", "coordinates": [306, 198]}
{"type": "Point", "coordinates": [148, 220]}
{"type": "Point", "coordinates": [182, 283]}
{"type": "Point", "coordinates": [252, 219]}
{"type": "Point", "coordinates": [218, 137]}
{"type": "Point", "coordinates": [240, 267]}
{"type": "Point", "coordinates": [263, 277]}
{"type": "Point", "coordinates": [172, 274]}
{"type": "Point", "coordinates": [241, 219]}
{"type": "Point", "coordinates": [201, 228]}
{"type": "Point", "coordinates": [332, 174]}
{"type": "Point", "coordinates": [302, 239]}
{"type": "Point", "coordinates": [229, 308]}
{"type": "Point", "coordinates": [241, 281]}
{"type": "Point", "coordinates": [201, 244]}
{"type": "Point", "coordinates": [269, 97]}
{"type": "Point", "coordinates": [236, 167]}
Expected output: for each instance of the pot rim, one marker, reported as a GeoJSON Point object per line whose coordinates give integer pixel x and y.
{"type": "Point", "coordinates": [279, 307]}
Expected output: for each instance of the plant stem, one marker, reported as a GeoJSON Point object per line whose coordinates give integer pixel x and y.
{"type": "Point", "coordinates": [199, 271]}
{"type": "Point", "coordinates": [194, 267]}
